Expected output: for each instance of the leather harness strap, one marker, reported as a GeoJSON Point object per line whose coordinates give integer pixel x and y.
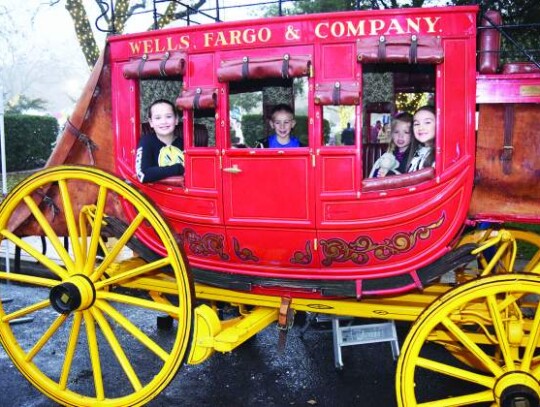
{"type": "Point", "coordinates": [83, 138]}
{"type": "Point", "coordinates": [336, 93]}
{"type": "Point", "coordinates": [508, 148]}
{"type": "Point", "coordinates": [285, 321]}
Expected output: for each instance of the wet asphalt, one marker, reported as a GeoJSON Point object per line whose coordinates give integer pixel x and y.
{"type": "Point", "coordinates": [257, 373]}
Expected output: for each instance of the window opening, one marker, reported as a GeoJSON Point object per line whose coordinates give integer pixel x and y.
{"type": "Point", "coordinates": [199, 105]}
{"type": "Point", "coordinates": [251, 103]}
{"type": "Point", "coordinates": [155, 89]}
{"type": "Point", "coordinates": [389, 90]}
{"type": "Point", "coordinates": [339, 125]}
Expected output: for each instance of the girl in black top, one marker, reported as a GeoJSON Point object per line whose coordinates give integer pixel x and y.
{"type": "Point", "coordinates": [160, 153]}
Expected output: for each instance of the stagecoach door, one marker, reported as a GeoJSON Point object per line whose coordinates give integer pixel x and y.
{"type": "Point", "coordinates": [268, 193]}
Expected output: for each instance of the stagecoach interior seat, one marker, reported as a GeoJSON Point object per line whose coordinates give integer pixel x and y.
{"type": "Point", "coordinates": [371, 153]}
{"type": "Point", "coordinates": [200, 135]}
{"type": "Point", "coordinates": [398, 181]}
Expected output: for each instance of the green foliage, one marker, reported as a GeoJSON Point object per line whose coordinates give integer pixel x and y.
{"type": "Point", "coordinates": [22, 104]}
{"type": "Point", "coordinates": [253, 129]}
{"type": "Point", "coordinates": [29, 140]}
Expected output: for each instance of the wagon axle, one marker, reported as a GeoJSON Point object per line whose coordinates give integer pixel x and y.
{"type": "Point", "coordinates": [77, 293]}
{"type": "Point", "coordinates": [517, 390]}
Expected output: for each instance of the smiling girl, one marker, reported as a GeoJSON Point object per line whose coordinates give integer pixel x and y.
{"type": "Point", "coordinates": [423, 126]}
{"type": "Point", "coordinates": [160, 153]}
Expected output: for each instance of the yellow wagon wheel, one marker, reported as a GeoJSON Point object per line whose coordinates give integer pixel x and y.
{"type": "Point", "coordinates": [93, 313]}
{"type": "Point", "coordinates": [497, 320]}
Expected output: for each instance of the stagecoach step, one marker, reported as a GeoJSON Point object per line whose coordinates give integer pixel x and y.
{"type": "Point", "coordinates": [349, 335]}
{"type": "Point", "coordinates": [346, 333]}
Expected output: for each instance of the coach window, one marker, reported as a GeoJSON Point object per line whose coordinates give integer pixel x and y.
{"type": "Point", "coordinates": [151, 90]}
{"type": "Point", "coordinates": [251, 103]}
{"type": "Point", "coordinates": [388, 90]}
{"type": "Point", "coordinates": [198, 106]}
{"type": "Point", "coordinates": [258, 83]}
{"type": "Point", "coordinates": [338, 101]}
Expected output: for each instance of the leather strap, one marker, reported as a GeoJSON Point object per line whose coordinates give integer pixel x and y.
{"type": "Point", "coordinates": [196, 99]}
{"type": "Point", "coordinates": [285, 66]}
{"type": "Point", "coordinates": [141, 64]}
{"type": "Point", "coordinates": [83, 138]}
{"type": "Point", "coordinates": [245, 68]}
{"type": "Point", "coordinates": [285, 321]}
{"type": "Point", "coordinates": [413, 51]}
{"type": "Point", "coordinates": [381, 53]}
{"type": "Point", "coordinates": [336, 93]}
{"type": "Point", "coordinates": [508, 148]}
{"type": "Point", "coordinates": [163, 64]}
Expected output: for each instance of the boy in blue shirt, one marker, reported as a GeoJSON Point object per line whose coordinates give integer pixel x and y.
{"type": "Point", "coordinates": [282, 122]}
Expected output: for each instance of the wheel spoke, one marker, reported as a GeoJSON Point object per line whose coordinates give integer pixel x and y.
{"type": "Point", "coordinates": [456, 372]}
{"type": "Point", "coordinates": [139, 302]}
{"type": "Point", "coordinates": [70, 350]}
{"type": "Point", "coordinates": [71, 224]}
{"type": "Point", "coordinates": [132, 329]}
{"type": "Point", "coordinates": [532, 345]}
{"type": "Point", "coordinates": [93, 350]}
{"type": "Point", "coordinates": [131, 274]}
{"type": "Point", "coordinates": [23, 278]}
{"type": "Point", "coordinates": [120, 244]}
{"type": "Point", "coordinates": [500, 332]}
{"type": "Point", "coordinates": [46, 336]}
{"type": "Point", "coordinates": [49, 232]}
{"type": "Point", "coordinates": [117, 349]}
{"type": "Point", "coordinates": [475, 350]}
{"type": "Point", "coordinates": [51, 265]}
{"type": "Point", "coordinates": [458, 401]}
{"type": "Point", "coordinates": [96, 230]}
{"type": "Point", "coordinates": [26, 311]}
{"type": "Point", "coordinates": [535, 260]}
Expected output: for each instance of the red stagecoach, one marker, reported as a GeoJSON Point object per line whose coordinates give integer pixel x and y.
{"type": "Point", "coordinates": [274, 230]}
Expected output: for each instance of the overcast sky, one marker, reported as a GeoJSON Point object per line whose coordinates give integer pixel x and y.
{"type": "Point", "coordinates": [46, 59]}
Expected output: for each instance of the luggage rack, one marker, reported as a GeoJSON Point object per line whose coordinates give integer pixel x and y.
{"type": "Point", "coordinates": [346, 333]}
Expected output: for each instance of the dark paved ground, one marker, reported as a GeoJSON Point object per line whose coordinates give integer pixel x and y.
{"type": "Point", "coordinates": [256, 374]}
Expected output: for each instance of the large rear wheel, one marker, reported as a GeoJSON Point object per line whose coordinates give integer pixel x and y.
{"type": "Point", "coordinates": [90, 336]}
{"type": "Point", "coordinates": [495, 323]}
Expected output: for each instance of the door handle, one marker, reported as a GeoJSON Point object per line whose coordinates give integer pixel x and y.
{"type": "Point", "coordinates": [233, 170]}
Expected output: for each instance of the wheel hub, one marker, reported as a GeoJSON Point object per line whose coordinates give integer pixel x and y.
{"type": "Point", "coordinates": [77, 293]}
{"type": "Point", "coordinates": [517, 389]}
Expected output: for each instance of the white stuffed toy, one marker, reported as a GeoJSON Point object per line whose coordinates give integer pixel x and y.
{"type": "Point", "coordinates": [386, 163]}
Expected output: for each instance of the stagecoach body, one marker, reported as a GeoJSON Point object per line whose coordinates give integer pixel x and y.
{"type": "Point", "coordinates": [303, 228]}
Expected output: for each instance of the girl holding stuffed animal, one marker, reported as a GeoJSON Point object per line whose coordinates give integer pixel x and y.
{"type": "Point", "coordinates": [424, 122]}
{"type": "Point", "coordinates": [399, 147]}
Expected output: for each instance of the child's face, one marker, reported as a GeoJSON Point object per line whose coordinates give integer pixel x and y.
{"type": "Point", "coordinates": [163, 120]}
{"type": "Point", "coordinates": [282, 123]}
{"type": "Point", "coordinates": [424, 126]}
{"type": "Point", "coordinates": [401, 135]}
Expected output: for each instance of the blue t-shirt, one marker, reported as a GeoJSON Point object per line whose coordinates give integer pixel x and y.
{"type": "Point", "coordinates": [273, 142]}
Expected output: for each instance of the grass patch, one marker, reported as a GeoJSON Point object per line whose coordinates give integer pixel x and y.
{"type": "Point", "coordinates": [13, 178]}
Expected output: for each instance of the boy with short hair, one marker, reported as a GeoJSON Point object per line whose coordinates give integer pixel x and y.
{"type": "Point", "coordinates": [282, 122]}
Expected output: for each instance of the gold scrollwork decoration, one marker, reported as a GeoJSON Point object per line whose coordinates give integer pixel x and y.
{"type": "Point", "coordinates": [243, 254]}
{"type": "Point", "coordinates": [300, 257]}
{"type": "Point", "coordinates": [357, 251]}
{"type": "Point", "coordinates": [209, 244]}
